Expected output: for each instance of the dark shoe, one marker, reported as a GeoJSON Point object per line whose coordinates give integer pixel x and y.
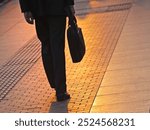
{"type": "Point", "coordinates": [63, 97]}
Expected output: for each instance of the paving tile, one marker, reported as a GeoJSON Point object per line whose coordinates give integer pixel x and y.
{"type": "Point", "coordinates": [128, 107]}
{"type": "Point", "coordinates": [127, 76]}
{"type": "Point", "coordinates": [130, 59]}
{"type": "Point", "coordinates": [118, 89]}
{"type": "Point", "coordinates": [122, 98]}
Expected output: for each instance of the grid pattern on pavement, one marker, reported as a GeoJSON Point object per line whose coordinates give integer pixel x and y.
{"type": "Point", "coordinates": [17, 66]}
{"type": "Point", "coordinates": [33, 94]}
{"type": "Point", "coordinates": [101, 34]}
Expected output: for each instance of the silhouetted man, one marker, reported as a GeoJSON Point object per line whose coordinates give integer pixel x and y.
{"type": "Point", "coordinates": [50, 23]}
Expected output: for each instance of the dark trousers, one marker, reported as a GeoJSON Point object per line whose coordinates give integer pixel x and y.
{"type": "Point", "coordinates": [51, 33]}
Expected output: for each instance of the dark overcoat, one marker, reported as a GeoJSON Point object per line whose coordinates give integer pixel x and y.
{"type": "Point", "coordinates": [45, 7]}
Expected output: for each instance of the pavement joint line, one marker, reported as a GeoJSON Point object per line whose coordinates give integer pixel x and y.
{"type": "Point", "coordinates": [104, 9]}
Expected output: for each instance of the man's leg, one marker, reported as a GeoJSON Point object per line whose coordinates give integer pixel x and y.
{"type": "Point", "coordinates": [51, 32]}
{"type": "Point", "coordinates": [42, 28]}
{"type": "Point", "coordinates": [57, 25]}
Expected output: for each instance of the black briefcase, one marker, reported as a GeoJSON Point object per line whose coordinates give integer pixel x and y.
{"type": "Point", "coordinates": [76, 43]}
{"type": "Point", "coordinates": [75, 40]}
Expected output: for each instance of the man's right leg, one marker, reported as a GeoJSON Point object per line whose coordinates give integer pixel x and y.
{"type": "Point", "coordinates": [51, 33]}
{"type": "Point", "coordinates": [57, 26]}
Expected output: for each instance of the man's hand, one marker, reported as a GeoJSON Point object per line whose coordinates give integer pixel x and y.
{"type": "Point", "coordinates": [29, 17]}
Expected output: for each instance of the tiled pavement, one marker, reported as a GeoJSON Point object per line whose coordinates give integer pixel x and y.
{"type": "Point", "coordinates": [102, 25]}
{"type": "Point", "coordinates": [126, 84]}
{"type": "Point", "coordinates": [83, 79]}
{"type": "Point", "coordinates": [14, 32]}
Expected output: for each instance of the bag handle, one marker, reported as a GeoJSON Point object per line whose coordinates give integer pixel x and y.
{"type": "Point", "coordinates": [72, 18]}
{"type": "Point", "coordinates": [72, 22]}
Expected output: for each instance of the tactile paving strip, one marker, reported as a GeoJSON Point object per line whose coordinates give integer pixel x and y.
{"type": "Point", "coordinates": [14, 69]}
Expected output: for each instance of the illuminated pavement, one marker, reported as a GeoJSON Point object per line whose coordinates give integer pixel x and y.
{"type": "Point", "coordinates": [113, 76]}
